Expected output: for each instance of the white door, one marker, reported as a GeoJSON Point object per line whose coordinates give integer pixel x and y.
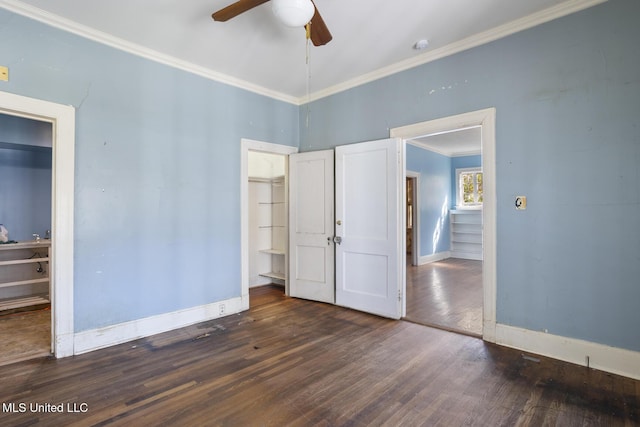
{"type": "Point", "coordinates": [368, 222]}
{"type": "Point", "coordinates": [311, 210]}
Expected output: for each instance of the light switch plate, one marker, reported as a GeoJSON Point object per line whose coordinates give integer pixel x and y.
{"type": "Point", "coordinates": [521, 203]}
{"type": "Point", "coordinates": [4, 73]}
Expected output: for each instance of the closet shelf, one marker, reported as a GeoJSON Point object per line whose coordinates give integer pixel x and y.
{"type": "Point", "coordinates": [18, 270]}
{"type": "Point", "coordinates": [272, 251]}
{"type": "Point", "coordinates": [273, 275]}
{"type": "Point", "coordinates": [41, 244]}
{"type": "Point", "coordinates": [24, 282]}
{"type": "Point", "coordinates": [10, 304]}
{"type": "Point", "coordinates": [24, 261]}
{"type": "Point", "coordinates": [268, 216]}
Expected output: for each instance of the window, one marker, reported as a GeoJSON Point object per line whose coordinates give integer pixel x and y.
{"type": "Point", "coordinates": [469, 188]}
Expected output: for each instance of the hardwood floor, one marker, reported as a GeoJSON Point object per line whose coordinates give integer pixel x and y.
{"type": "Point", "coordinates": [290, 362]}
{"type": "Point", "coordinates": [446, 294]}
{"type": "Point", "coordinates": [25, 335]}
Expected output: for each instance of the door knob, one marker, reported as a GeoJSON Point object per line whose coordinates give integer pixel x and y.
{"type": "Point", "coordinates": [337, 239]}
{"type": "Point", "coordinates": [339, 222]}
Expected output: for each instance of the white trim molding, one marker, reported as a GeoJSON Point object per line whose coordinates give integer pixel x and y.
{"type": "Point", "coordinates": [84, 31]}
{"type": "Point", "coordinates": [487, 120]}
{"type": "Point", "coordinates": [62, 119]}
{"type": "Point", "coordinates": [428, 259]}
{"type": "Point", "coordinates": [438, 150]}
{"type": "Point", "coordinates": [96, 339]}
{"type": "Point", "coordinates": [597, 356]}
{"type": "Point", "coordinates": [546, 15]}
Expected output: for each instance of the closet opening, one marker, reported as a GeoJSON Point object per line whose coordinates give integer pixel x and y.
{"type": "Point", "coordinates": [265, 220]}
{"type": "Point", "coordinates": [25, 238]}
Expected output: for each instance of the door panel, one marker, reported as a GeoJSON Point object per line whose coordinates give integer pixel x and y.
{"type": "Point", "coordinates": [311, 213]}
{"type": "Point", "coordinates": [368, 220]}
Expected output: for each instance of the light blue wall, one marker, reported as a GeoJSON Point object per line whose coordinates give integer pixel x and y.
{"type": "Point", "coordinates": [435, 190]}
{"type": "Point", "coordinates": [567, 96]}
{"type": "Point", "coordinates": [25, 177]}
{"type": "Point", "coordinates": [157, 191]}
{"type": "Point", "coordinates": [19, 130]}
{"type": "Point", "coordinates": [157, 209]}
{"type": "Point", "coordinates": [461, 163]}
{"type": "Point", "coordinates": [25, 192]}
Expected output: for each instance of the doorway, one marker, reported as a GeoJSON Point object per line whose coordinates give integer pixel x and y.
{"type": "Point", "coordinates": [444, 288]}
{"type": "Point", "coordinates": [368, 225]}
{"type": "Point", "coordinates": [61, 118]}
{"type": "Point", "coordinates": [267, 220]}
{"type": "Point", "coordinates": [25, 211]}
{"type": "Point", "coordinates": [412, 221]}
{"type": "Point", "coordinates": [263, 205]}
{"type": "Point", "coordinates": [437, 265]}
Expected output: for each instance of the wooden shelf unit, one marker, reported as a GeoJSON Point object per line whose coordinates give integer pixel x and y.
{"type": "Point", "coordinates": [269, 237]}
{"type": "Point", "coordinates": [466, 233]}
{"type": "Point", "coordinates": [21, 285]}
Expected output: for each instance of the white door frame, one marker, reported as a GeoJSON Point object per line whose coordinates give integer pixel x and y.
{"type": "Point", "coordinates": [62, 119]}
{"type": "Point", "coordinates": [247, 145]}
{"type": "Point", "coordinates": [486, 119]}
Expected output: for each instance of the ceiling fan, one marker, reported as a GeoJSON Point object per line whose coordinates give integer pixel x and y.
{"type": "Point", "coordinates": [293, 13]}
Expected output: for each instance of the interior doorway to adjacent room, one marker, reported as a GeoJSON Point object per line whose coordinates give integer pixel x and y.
{"type": "Point", "coordinates": [61, 119]}
{"type": "Point", "coordinates": [444, 279]}
{"type": "Point", "coordinates": [25, 187]}
{"type": "Point", "coordinates": [450, 282]}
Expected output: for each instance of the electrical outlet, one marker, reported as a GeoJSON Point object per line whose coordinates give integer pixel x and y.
{"type": "Point", "coordinates": [521, 203]}
{"type": "Point", "coordinates": [222, 310]}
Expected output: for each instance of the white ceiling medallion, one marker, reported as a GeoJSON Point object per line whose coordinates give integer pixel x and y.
{"type": "Point", "coordinates": [421, 44]}
{"type": "Point", "coordinates": [293, 13]}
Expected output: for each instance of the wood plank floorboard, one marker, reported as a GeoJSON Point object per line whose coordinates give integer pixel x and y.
{"type": "Point", "coordinates": [290, 362]}
{"type": "Point", "coordinates": [25, 335]}
{"type": "Point", "coordinates": [446, 294]}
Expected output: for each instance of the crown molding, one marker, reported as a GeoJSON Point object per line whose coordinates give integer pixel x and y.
{"type": "Point", "coordinates": [549, 14]}
{"type": "Point", "coordinates": [530, 21]}
{"type": "Point", "coordinates": [438, 150]}
{"type": "Point", "coordinates": [135, 49]}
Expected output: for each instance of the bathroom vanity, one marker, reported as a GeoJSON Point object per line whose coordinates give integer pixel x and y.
{"type": "Point", "coordinates": [24, 274]}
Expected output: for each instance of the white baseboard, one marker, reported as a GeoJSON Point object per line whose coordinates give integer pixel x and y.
{"type": "Point", "coordinates": [256, 281]}
{"type": "Point", "coordinates": [434, 257]}
{"type": "Point", "coordinates": [117, 334]}
{"type": "Point", "coordinates": [602, 357]}
{"type": "Point", "coordinates": [64, 345]}
{"type": "Point", "coordinates": [467, 255]}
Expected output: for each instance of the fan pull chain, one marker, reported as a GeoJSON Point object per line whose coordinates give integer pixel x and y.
{"type": "Point", "coordinates": [308, 28]}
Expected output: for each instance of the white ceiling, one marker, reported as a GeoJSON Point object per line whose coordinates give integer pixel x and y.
{"type": "Point", "coordinates": [371, 38]}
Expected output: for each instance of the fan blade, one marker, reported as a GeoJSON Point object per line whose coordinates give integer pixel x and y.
{"type": "Point", "coordinates": [320, 34]}
{"type": "Point", "coordinates": [236, 9]}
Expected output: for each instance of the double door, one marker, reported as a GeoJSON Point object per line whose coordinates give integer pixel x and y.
{"type": "Point", "coordinates": [346, 226]}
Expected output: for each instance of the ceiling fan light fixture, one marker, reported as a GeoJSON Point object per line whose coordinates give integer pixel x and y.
{"type": "Point", "coordinates": [293, 13]}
